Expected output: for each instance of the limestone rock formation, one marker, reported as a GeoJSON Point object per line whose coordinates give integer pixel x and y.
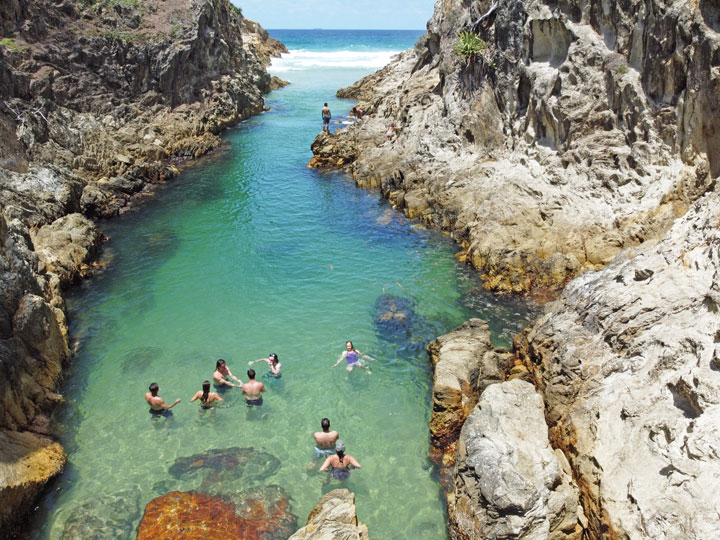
{"type": "Point", "coordinates": [67, 246]}
{"type": "Point", "coordinates": [333, 518]}
{"type": "Point", "coordinates": [627, 360]}
{"type": "Point", "coordinates": [464, 362]}
{"type": "Point", "coordinates": [27, 462]}
{"type": "Point", "coordinates": [583, 128]}
{"type": "Point", "coordinates": [509, 482]}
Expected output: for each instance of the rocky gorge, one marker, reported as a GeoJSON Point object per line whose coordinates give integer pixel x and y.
{"type": "Point", "coordinates": [101, 102]}
{"type": "Point", "coordinates": [574, 157]}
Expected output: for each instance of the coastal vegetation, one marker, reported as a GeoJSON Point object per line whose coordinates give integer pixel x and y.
{"type": "Point", "coordinates": [469, 46]}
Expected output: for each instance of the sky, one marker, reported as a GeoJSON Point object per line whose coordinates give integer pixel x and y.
{"type": "Point", "coordinates": [339, 14]}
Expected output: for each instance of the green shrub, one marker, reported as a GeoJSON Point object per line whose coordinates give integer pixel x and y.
{"type": "Point", "coordinates": [469, 46]}
{"type": "Point", "coordinates": [621, 70]}
{"type": "Point", "coordinates": [9, 43]}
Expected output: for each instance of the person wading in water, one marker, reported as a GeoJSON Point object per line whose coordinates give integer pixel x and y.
{"type": "Point", "coordinates": [206, 397]}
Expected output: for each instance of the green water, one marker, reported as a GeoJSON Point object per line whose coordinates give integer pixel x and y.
{"type": "Point", "coordinates": [248, 253]}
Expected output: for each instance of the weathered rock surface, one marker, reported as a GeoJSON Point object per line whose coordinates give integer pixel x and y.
{"type": "Point", "coordinates": [196, 516]}
{"type": "Point", "coordinates": [627, 360]}
{"type": "Point", "coordinates": [27, 462]}
{"type": "Point", "coordinates": [509, 482]}
{"type": "Point", "coordinates": [333, 518]}
{"type": "Point", "coordinates": [99, 100]}
{"type": "Point", "coordinates": [465, 362]}
{"type": "Point", "coordinates": [67, 246]}
{"type": "Point", "coordinates": [584, 128]}
{"type": "Point", "coordinates": [103, 517]}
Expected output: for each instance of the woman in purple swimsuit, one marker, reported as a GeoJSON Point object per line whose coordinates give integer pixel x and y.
{"type": "Point", "coordinates": [351, 354]}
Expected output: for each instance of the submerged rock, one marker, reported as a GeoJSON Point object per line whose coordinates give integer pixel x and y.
{"type": "Point", "coordinates": [104, 517]}
{"type": "Point", "coordinates": [333, 518]}
{"type": "Point", "coordinates": [394, 316]}
{"type": "Point", "coordinates": [222, 470]}
{"type": "Point", "coordinates": [259, 514]}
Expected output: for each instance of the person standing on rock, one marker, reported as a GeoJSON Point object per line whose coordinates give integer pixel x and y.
{"type": "Point", "coordinates": [351, 355]}
{"type": "Point", "coordinates": [222, 371]}
{"type": "Point", "coordinates": [324, 440]}
{"type": "Point", "coordinates": [326, 116]}
{"type": "Point", "coordinates": [253, 389]}
{"type": "Point", "coordinates": [157, 404]}
{"type": "Point", "coordinates": [340, 463]}
{"type": "Point", "coordinates": [272, 361]}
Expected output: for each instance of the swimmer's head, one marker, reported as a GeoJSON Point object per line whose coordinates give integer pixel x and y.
{"type": "Point", "coordinates": [220, 363]}
{"type": "Point", "coordinates": [273, 357]}
{"type": "Point", "coordinates": [349, 345]}
{"type": "Point", "coordinates": [251, 373]}
{"type": "Point", "coordinates": [325, 104]}
{"type": "Point", "coordinates": [154, 388]}
{"type": "Point", "coordinates": [206, 386]}
{"type": "Point", "coordinates": [325, 424]}
{"type": "Point", "coordinates": [340, 446]}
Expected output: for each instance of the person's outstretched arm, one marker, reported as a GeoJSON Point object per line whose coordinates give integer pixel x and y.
{"type": "Point", "coordinates": [326, 464]}
{"type": "Point", "coordinates": [366, 356]}
{"type": "Point", "coordinates": [196, 396]}
{"type": "Point", "coordinates": [343, 355]}
{"type": "Point", "coordinates": [353, 462]}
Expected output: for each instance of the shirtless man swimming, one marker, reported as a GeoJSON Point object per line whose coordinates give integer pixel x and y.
{"type": "Point", "coordinates": [324, 440]}
{"type": "Point", "coordinates": [157, 404]}
{"type": "Point", "coordinates": [222, 371]}
{"type": "Point", "coordinates": [253, 389]}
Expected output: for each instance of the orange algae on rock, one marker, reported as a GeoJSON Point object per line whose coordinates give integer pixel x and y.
{"type": "Point", "coordinates": [195, 515]}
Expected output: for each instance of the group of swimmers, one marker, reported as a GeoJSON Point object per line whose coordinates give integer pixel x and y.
{"type": "Point", "coordinates": [326, 442]}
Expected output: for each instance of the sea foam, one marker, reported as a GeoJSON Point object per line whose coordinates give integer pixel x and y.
{"type": "Point", "coordinates": [302, 60]}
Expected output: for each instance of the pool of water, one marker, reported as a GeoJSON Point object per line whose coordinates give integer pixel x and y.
{"type": "Point", "coordinates": [247, 253]}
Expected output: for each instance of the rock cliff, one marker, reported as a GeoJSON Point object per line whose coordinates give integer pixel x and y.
{"type": "Point", "coordinates": [98, 100]}
{"type": "Point", "coordinates": [628, 363]}
{"type": "Point", "coordinates": [581, 129]}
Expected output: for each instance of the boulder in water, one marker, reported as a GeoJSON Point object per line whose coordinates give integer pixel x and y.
{"type": "Point", "coordinates": [221, 469]}
{"type": "Point", "coordinates": [393, 316]}
{"type": "Point", "coordinates": [258, 514]}
{"type": "Point", "coordinates": [103, 518]}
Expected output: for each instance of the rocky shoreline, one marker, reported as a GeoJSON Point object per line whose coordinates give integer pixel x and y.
{"type": "Point", "coordinates": [101, 102]}
{"type": "Point", "coordinates": [574, 135]}
{"type": "Point", "coordinates": [574, 158]}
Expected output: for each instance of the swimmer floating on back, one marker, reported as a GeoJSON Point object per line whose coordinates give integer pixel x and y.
{"type": "Point", "coordinates": [351, 354]}
{"type": "Point", "coordinates": [272, 361]}
{"type": "Point", "coordinates": [340, 463]}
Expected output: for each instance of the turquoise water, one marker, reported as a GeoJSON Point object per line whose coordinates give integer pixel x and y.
{"type": "Point", "coordinates": [247, 253]}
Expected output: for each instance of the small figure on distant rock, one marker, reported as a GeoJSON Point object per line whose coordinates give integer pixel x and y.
{"type": "Point", "coordinates": [325, 439]}
{"type": "Point", "coordinates": [252, 390]}
{"type": "Point", "coordinates": [391, 129]}
{"type": "Point", "coordinates": [358, 113]}
{"type": "Point", "coordinates": [157, 404]}
{"type": "Point", "coordinates": [222, 371]}
{"type": "Point", "coordinates": [340, 463]}
{"type": "Point", "coordinates": [326, 116]}
{"type": "Point", "coordinates": [272, 360]}
{"type": "Point", "coordinates": [205, 396]}
{"type": "Point", "coordinates": [351, 354]}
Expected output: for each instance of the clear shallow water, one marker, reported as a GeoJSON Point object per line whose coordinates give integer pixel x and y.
{"type": "Point", "coordinates": [247, 253]}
